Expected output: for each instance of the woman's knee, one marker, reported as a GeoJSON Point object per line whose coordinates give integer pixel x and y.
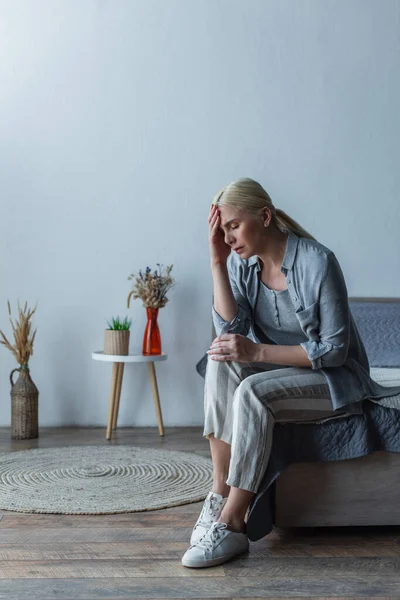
{"type": "Point", "coordinates": [217, 369]}
{"type": "Point", "coordinates": [220, 366]}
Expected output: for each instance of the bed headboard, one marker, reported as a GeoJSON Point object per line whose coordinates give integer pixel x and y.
{"type": "Point", "coordinates": [378, 321]}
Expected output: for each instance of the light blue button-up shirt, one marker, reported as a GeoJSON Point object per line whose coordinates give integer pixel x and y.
{"type": "Point", "coordinates": [318, 290]}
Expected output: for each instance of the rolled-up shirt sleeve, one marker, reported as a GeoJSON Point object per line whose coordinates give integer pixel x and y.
{"type": "Point", "coordinates": [329, 343]}
{"type": "Point", "coordinates": [241, 322]}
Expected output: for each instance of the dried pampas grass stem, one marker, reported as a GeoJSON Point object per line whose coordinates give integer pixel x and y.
{"type": "Point", "coordinates": [23, 338]}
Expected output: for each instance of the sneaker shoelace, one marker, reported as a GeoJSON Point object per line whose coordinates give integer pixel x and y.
{"type": "Point", "coordinates": [212, 535]}
{"type": "Point", "coordinates": [210, 509]}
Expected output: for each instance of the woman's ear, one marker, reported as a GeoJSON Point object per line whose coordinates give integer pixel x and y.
{"type": "Point", "coordinates": [266, 216]}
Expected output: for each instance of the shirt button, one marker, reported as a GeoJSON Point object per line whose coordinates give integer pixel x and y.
{"type": "Point", "coordinates": [289, 281]}
{"type": "Point", "coordinates": [295, 297]}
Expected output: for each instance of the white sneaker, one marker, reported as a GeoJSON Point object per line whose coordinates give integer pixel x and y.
{"type": "Point", "coordinates": [218, 545]}
{"type": "Point", "coordinates": [212, 508]}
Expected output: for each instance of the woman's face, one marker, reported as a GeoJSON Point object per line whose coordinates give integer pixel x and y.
{"type": "Point", "coordinates": [243, 232]}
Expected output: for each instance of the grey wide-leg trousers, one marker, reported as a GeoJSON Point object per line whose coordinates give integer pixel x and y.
{"type": "Point", "coordinates": [242, 402]}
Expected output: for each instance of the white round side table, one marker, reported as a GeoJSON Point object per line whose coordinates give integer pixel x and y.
{"type": "Point", "coordinates": [116, 383]}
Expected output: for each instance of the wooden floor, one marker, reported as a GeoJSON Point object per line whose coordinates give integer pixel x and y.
{"type": "Point", "coordinates": [138, 555]}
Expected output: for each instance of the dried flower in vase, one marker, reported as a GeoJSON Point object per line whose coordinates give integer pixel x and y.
{"type": "Point", "coordinates": [152, 288]}
{"type": "Point", "coordinates": [23, 347]}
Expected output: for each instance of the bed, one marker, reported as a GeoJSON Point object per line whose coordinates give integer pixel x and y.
{"type": "Point", "coordinates": [357, 482]}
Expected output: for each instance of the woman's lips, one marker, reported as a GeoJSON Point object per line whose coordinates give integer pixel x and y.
{"type": "Point", "coordinates": [239, 250]}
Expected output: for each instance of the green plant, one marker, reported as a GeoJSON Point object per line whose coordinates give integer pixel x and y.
{"type": "Point", "coordinates": [151, 288]}
{"type": "Point", "coordinates": [117, 325]}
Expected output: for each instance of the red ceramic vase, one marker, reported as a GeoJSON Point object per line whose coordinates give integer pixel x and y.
{"type": "Point", "coordinates": [151, 338]}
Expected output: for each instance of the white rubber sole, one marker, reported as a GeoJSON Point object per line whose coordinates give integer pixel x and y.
{"type": "Point", "coordinates": [213, 562]}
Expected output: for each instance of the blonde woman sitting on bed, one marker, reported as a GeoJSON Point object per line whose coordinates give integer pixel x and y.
{"type": "Point", "coordinates": [306, 361]}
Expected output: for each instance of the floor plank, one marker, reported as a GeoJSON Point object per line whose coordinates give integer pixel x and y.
{"type": "Point", "coordinates": [200, 587]}
{"type": "Point", "coordinates": [100, 569]}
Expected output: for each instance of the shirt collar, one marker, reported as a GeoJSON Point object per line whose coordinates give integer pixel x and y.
{"type": "Point", "coordinates": [288, 259]}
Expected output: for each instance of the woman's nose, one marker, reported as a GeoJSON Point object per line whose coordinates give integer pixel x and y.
{"type": "Point", "coordinates": [229, 240]}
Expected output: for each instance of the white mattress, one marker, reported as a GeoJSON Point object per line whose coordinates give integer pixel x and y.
{"type": "Point", "coordinates": [387, 377]}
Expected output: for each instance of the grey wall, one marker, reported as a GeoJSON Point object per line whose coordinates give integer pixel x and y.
{"type": "Point", "coordinates": [120, 120]}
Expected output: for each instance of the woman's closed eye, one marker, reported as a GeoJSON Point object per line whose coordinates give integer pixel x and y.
{"type": "Point", "coordinates": [237, 226]}
{"type": "Point", "coordinates": [230, 227]}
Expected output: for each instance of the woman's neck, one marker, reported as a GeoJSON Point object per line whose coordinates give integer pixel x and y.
{"type": "Point", "coordinates": [273, 250]}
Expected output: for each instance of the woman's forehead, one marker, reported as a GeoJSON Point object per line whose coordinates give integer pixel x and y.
{"type": "Point", "coordinates": [230, 212]}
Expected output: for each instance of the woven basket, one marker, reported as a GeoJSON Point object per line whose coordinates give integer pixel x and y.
{"type": "Point", "coordinates": [24, 406]}
{"type": "Point", "coordinates": [116, 342]}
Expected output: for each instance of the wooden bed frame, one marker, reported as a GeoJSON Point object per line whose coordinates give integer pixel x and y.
{"type": "Point", "coordinates": [359, 491]}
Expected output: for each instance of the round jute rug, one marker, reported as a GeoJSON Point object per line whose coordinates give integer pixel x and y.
{"type": "Point", "coordinates": [101, 479]}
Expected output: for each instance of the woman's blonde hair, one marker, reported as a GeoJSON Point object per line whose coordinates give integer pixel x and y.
{"type": "Point", "coordinates": [247, 194]}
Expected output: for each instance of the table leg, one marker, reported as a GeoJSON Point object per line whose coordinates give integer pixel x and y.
{"type": "Point", "coordinates": [153, 379]}
{"type": "Point", "coordinates": [113, 390]}
{"type": "Point", "coordinates": [118, 394]}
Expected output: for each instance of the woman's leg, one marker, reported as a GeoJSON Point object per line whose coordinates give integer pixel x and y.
{"type": "Point", "coordinates": [244, 419]}
{"type": "Point", "coordinates": [292, 394]}
{"type": "Point", "coordinates": [235, 509]}
{"type": "Point", "coordinates": [221, 382]}
{"type": "Point", "coordinates": [221, 456]}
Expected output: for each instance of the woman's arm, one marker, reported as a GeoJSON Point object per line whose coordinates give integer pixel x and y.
{"type": "Point", "coordinates": [231, 312]}
{"type": "Point", "coordinates": [329, 345]}
{"type": "Point", "coordinates": [224, 300]}
{"type": "Point", "coordinates": [292, 356]}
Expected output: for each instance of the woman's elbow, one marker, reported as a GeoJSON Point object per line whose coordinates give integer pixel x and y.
{"type": "Point", "coordinates": [336, 357]}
